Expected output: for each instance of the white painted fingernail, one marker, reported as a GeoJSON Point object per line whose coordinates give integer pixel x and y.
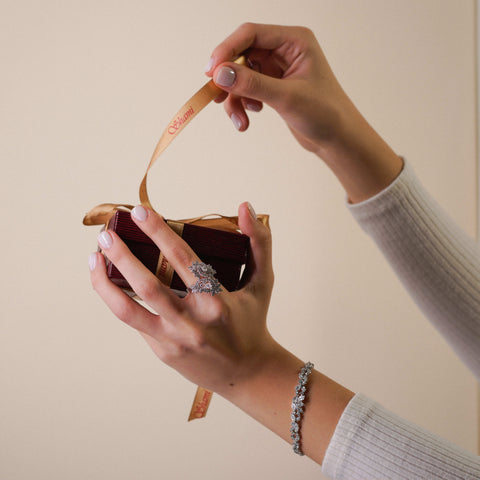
{"type": "Point", "coordinates": [251, 210]}
{"type": "Point", "coordinates": [140, 213]}
{"type": "Point", "coordinates": [253, 107]}
{"type": "Point", "coordinates": [236, 121]}
{"type": "Point", "coordinates": [105, 240]}
{"type": "Point", "coordinates": [92, 261]}
{"type": "Point", "coordinates": [225, 77]}
{"type": "Point", "coordinates": [209, 65]}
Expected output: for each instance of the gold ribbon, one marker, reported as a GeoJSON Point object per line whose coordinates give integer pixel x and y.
{"type": "Point", "coordinates": [101, 214]}
{"type": "Point", "coordinates": [200, 403]}
{"type": "Point", "coordinates": [164, 271]}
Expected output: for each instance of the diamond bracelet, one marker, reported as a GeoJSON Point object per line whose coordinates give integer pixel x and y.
{"type": "Point", "coordinates": [297, 406]}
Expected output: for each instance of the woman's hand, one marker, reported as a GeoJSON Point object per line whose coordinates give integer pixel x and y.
{"type": "Point", "coordinates": [220, 342]}
{"type": "Point", "coordinates": [214, 341]}
{"type": "Point", "coordinates": [290, 73]}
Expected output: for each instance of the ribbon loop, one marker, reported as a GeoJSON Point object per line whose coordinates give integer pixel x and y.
{"type": "Point", "coordinates": [181, 119]}
{"type": "Point", "coordinates": [101, 213]}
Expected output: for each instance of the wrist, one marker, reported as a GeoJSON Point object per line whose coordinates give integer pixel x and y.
{"type": "Point", "coordinates": [266, 395]}
{"type": "Point", "coordinates": [359, 157]}
{"type": "Point", "coordinates": [259, 370]}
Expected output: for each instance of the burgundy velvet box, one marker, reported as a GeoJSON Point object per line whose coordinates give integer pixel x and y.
{"type": "Point", "coordinates": [227, 252]}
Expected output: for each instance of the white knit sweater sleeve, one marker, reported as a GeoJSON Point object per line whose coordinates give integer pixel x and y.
{"type": "Point", "coordinates": [440, 268]}
{"type": "Point", "coordinates": [371, 443]}
{"type": "Point", "coordinates": [437, 263]}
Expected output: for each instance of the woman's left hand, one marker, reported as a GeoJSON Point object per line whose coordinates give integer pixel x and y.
{"type": "Point", "coordinates": [214, 341]}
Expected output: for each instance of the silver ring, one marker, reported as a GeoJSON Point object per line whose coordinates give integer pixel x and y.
{"type": "Point", "coordinates": [206, 281]}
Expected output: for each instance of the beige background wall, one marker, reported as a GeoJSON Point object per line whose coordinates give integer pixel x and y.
{"type": "Point", "coordinates": [85, 90]}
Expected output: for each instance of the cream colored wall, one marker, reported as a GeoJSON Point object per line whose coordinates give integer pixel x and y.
{"type": "Point", "coordinates": [85, 91]}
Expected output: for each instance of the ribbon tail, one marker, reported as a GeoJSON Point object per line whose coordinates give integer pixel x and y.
{"type": "Point", "coordinates": [101, 214]}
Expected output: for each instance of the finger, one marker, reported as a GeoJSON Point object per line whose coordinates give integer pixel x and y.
{"type": "Point", "coordinates": [244, 82]}
{"type": "Point", "coordinates": [178, 253]}
{"type": "Point", "coordinates": [252, 105]}
{"type": "Point", "coordinates": [123, 307]}
{"type": "Point", "coordinates": [259, 271]}
{"type": "Point", "coordinates": [222, 97]}
{"type": "Point", "coordinates": [236, 111]}
{"type": "Point", "coordinates": [174, 342]}
{"type": "Point", "coordinates": [248, 35]}
{"type": "Point", "coordinates": [143, 282]}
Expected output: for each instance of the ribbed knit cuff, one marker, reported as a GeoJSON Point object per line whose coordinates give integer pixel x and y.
{"type": "Point", "coordinates": [372, 443]}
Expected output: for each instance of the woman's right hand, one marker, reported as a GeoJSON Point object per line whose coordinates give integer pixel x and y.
{"type": "Point", "coordinates": [289, 72]}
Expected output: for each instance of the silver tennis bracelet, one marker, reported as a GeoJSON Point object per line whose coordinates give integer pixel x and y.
{"type": "Point", "coordinates": [298, 403]}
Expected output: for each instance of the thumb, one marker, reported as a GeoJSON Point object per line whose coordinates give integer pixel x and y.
{"type": "Point", "coordinates": [259, 271]}
{"type": "Point", "coordinates": [245, 82]}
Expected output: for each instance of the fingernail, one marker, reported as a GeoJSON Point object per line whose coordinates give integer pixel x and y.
{"type": "Point", "coordinates": [92, 261]}
{"type": "Point", "coordinates": [140, 213]}
{"type": "Point", "coordinates": [251, 210]}
{"type": "Point", "coordinates": [236, 121]}
{"type": "Point", "coordinates": [254, 107]}
{"type": "Point", "coordinates": [105, 240]}
{"type": "Point", "coordinates": [209, 65]}
{"type": "Point", "coordinates": [225, 77]}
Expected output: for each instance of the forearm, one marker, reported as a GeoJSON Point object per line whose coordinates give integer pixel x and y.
{"type": "Point", "coordinates": [361, 160]}
{"type": "Point", "coordinates": [267, 397]}
{"type": "Point", "coordinates": [436, 261]}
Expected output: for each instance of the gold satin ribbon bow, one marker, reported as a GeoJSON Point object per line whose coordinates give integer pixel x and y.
{"type": "Point", "coordinates": [101, 214]}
